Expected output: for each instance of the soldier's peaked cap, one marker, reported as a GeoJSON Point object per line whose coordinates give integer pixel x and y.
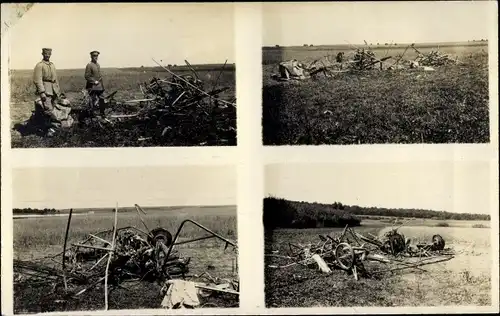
{"type": "Point", "coordinates": [46, 50]}
{"type": "Point", "coordinates": [94, 52]}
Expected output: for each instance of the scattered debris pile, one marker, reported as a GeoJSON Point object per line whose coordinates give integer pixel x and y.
{"type": "Point", "coordinates": [433, 58]}
{"type": "Point", "coordinates": [180, 107]}
{"type": "Point", "coordinates": [127, 254]}
{"type": "Point", "coordinates": [366, 60]}
{"type": "Point", "coordinates": [350, 251]}
{"type": "Point", "coordinates": [361, 59]}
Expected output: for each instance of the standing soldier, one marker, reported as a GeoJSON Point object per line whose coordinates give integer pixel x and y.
{"type": "Point", "coordinates": [94, 84]}
{"type": "Point", "coordinates": [47, 88]}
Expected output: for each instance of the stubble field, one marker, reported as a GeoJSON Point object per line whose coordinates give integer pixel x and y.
{"type": "Point", "coordinates": [35, 238]}
{"type": "Point", "coordinates": [464, 280]}
{"type": "Point", "coordinates": [448, 105]}
{"type": "Point", "coordinates": [185, 131]}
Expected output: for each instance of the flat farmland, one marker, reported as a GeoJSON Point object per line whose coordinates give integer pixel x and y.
{"type": "Point", "coordinates": [35, 238]}
{"type": "Point", "coordinates": [274, 55]}
{"type": "Point", "coordinates": [464, 280]}
{"type": "Point", "coordinates": [126, 82]}
{"type": "Point", "coordinates": [448, 105]}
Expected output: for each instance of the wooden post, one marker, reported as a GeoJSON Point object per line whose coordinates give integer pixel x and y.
{"type": "Point", "coordinates": [109, 260]}
{"type": "Point", "coordinates": [64, 250]}
{"type": "Point", "coordinates": [214, 85]}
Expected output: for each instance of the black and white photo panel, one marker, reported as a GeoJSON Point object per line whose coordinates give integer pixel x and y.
{"type": "Point", "coordinates": [123, 75]}
{"type": "Point", "coordinates": [87, 239]}
{"type": "Point", "coordinates": [350, 73]}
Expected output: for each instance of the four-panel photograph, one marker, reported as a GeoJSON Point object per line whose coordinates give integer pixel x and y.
{"type": "Point", "coordinates": [379, 221]}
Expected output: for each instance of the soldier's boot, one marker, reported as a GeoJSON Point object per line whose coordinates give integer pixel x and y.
{"type": "Point", "coordinates": [102, 107]}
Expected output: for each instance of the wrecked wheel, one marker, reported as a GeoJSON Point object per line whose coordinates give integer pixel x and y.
{"type": "Point", "coordinates": [344, 254]}
{"type": "Point", "coordinates": [437, 242]}
{"type": "Point", "coordinates": [160, 234]}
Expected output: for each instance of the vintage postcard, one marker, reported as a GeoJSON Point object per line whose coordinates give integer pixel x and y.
{"type": "Point", "coordinates": [122, 75]}
{"type": "Point", "coordinates": [124, 238]}
{"type": "Point", "coordinates": [277, 158]}
{"type": "Point", "coordinates": [337, 73]}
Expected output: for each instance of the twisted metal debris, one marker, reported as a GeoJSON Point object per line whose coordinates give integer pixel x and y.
{"type": "Point", "coordinates": [350, 251]}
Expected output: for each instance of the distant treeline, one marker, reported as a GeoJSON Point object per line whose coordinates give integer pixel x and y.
{"type": "Point", "coordinates": [37, 211]}
{"type": "Point", "coordinates": [281, 213]}
{"type": "Point", "coordinates": [293, 214]}
{"type": "Point", "coordinates": [412, 212]}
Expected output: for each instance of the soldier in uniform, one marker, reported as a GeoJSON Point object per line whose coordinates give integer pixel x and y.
{"type": "Point", "coordinates": [47, 88]}
{"type": "Point", "coordinates": [94, 84]}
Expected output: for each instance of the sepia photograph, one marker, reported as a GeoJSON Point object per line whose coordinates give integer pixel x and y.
{"type": "Point", "coordinates": [124, 238]}
{"type": "Point", "coordinates": [376, 73]}
{"type": "Point", "coordinates": [123, 75]}
{"type": "Point", "coordinates": [402, 234]}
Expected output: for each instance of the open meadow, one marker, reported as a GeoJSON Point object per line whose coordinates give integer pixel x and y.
{"type": "Point", "coordinates": [36, 238]}
{"type": "Point", "coordinates": [447, 105]}
{"type": "Point", "coordinates": [464, 280]}
{"type": "Point", "coordinates": [186, 130]}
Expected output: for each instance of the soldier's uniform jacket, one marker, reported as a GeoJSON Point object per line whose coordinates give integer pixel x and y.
{"type": "Point", "coordinates": [45, 78]}
{"type": "Point", "coordinates": [93, 74]}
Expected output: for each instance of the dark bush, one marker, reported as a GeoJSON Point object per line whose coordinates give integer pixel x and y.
{"type": "Point", "coordinates": [30, 210]}
{"type": "Point", "coordinates": [290, 214]}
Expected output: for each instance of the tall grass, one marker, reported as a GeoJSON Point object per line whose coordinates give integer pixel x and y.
{"type": "Point", "coordinates": [40, 233]}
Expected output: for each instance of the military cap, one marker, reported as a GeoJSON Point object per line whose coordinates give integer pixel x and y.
{"type": "Point", "coordinates": [46, 50]}
{"type": "Point", "coordinates": [94, 52]}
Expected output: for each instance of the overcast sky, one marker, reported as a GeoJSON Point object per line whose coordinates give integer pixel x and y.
{"type": "Point", "coordinates": [127, 34]}
{"type": "Point", "coordinates": [104, 187]}
{"type": "Point", "coordinates": [289, 24]}
{"type": "Point", "coordinates": [461, 187]}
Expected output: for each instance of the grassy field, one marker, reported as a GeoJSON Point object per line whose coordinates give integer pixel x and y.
{"type": "Point", "coordinates": [448, 105]}
{"type": "Point", "coordinates": [36, 238]}
{"type": "Point", "coordinates": [124, 80]}
{"type": "Point", "coordinates": [464, 280]}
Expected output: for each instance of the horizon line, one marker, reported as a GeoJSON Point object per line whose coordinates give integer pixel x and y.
{"type": "Point", "coordinates": [132, 206]}
{"type": "Point", "coordinates": [478, 41]}
{"type": "Point", "coordinates": [138, 67]}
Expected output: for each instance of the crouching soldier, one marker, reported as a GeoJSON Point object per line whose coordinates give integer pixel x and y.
{"type": "Point", "coordinates": [94, 84]}
{"type": "Point", "coordinates": [54, 110]}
